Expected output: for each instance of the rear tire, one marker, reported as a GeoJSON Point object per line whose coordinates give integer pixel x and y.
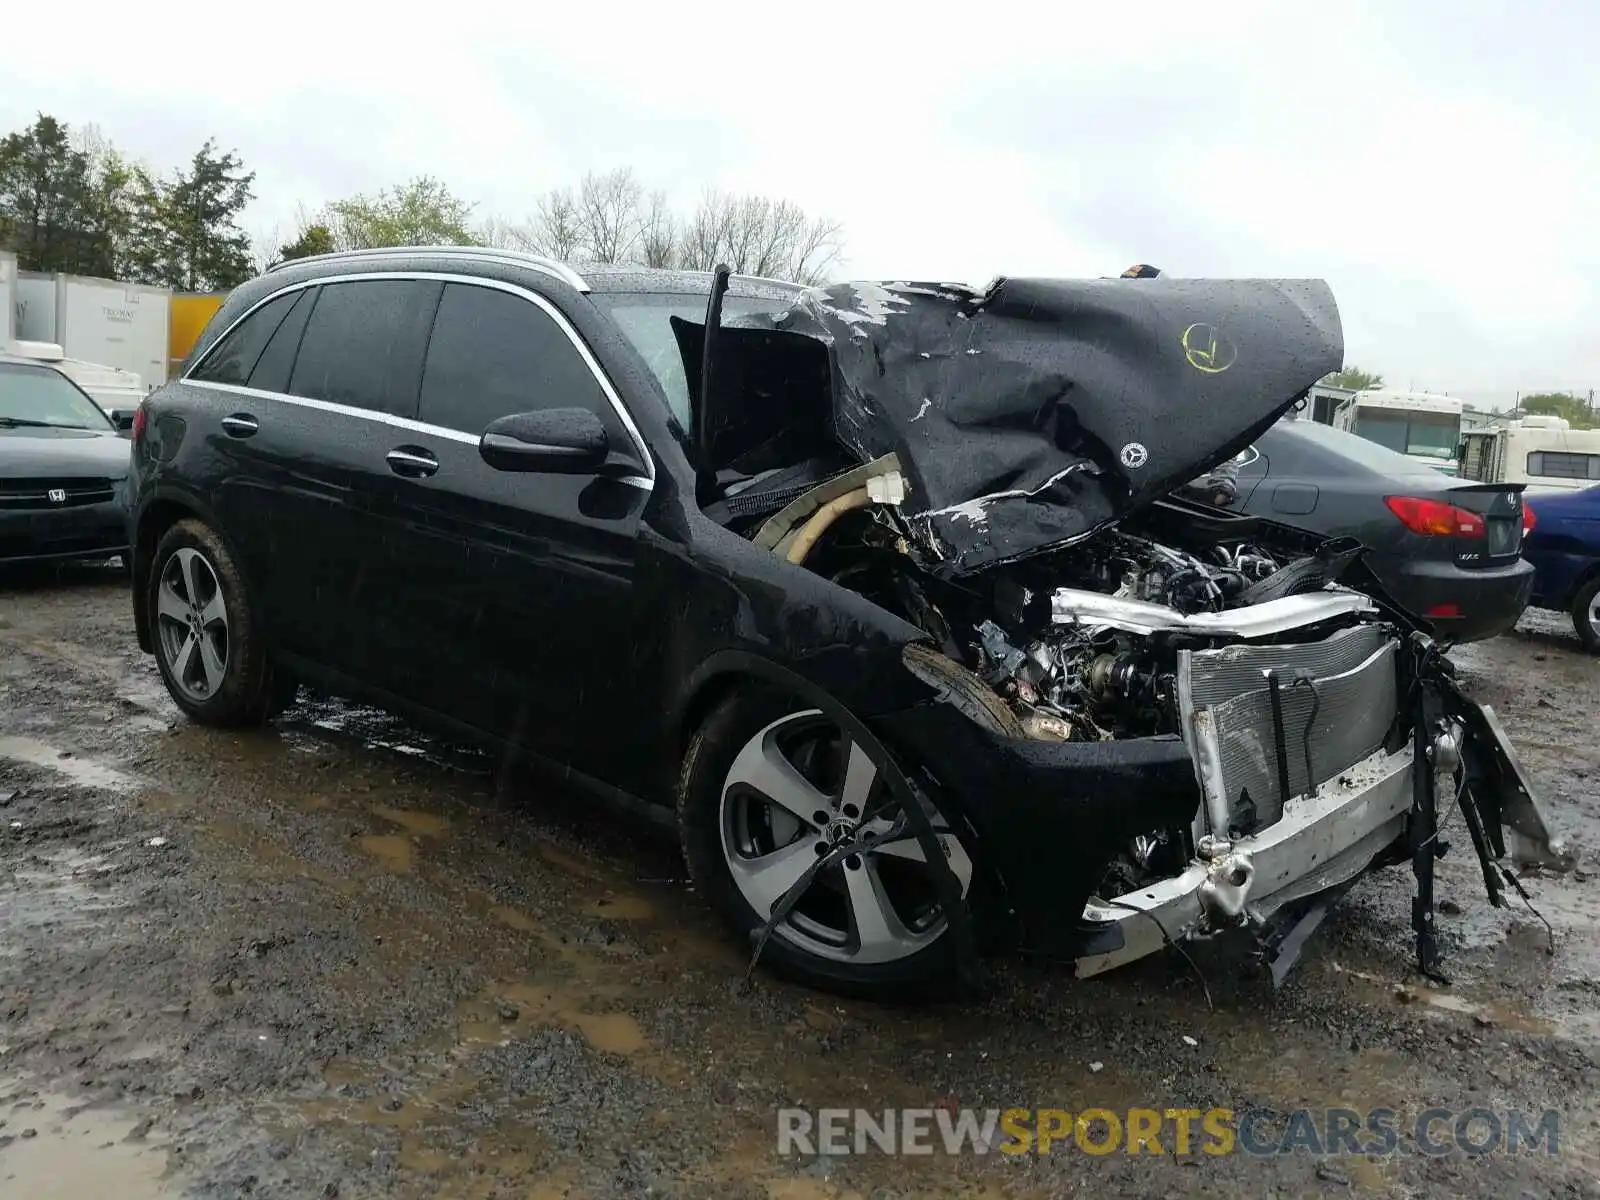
{"type": "Point", "coordinates": [1586, 615]}
{"type": "Point", "coordinates": [865, 927]}
{"type": "Point", "coordinates": [205, 632]}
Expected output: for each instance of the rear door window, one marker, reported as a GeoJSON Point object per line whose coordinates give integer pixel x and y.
{"type": "Point", "coordinates": [363, 344]}
{"type": "Point", "coordinates": [233, 358]}
{"type": "Point", "coordinates": [494, 353]}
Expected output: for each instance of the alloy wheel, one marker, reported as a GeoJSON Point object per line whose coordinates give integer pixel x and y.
{"type": "Point", "coordinates": [801, 787]}
{"type": "Point", "coordinates": [192, 624]}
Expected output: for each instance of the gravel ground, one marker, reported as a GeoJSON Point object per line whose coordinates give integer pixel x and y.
{"type": "Point", "coordinates": [337, 958]}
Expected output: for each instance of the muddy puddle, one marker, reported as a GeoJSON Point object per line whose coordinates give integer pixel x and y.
{"type": "Point", "coordinates": [85, 771]}
{"type": "Point", "coordinates": [53, 1147]}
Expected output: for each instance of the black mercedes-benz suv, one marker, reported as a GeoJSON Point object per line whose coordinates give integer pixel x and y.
{"type": "Point", "coordinates": [880, 589]}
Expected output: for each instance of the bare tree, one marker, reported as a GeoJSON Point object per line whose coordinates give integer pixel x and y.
{"type": "Point", "coordinates": [555, 230]}
{"type": "Point", "coordinates": [658, 239]}
{"type": "Point", "coordinates": [609, 213]}
{"type": "Point", "coordinates": [264, 243]}
{"type": "Point", "coordinates": [756, 235]}
{"type": "Point", "coordinates": [503, 235]}
{"type": "Point", "coordinates": [706, 238]}
{"type": "Point", "coordinates": [818, 251]}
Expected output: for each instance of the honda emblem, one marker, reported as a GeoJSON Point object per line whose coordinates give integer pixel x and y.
{"type": "Point", "coordinates": [57, 495]}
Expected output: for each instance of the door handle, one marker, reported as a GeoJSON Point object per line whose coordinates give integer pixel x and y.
{"type": "Point", "coordinates": [411, 461]}
{"type": "Point", "coordinates": [240, 425]}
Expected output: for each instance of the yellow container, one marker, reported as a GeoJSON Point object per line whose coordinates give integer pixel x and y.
{"type": "Point", "coordinates": [190, 312]}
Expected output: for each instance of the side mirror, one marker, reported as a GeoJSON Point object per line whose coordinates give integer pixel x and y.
{"type": "Point", "coordinates": [566, 441]}
{"type": "Point", "coordinates": [122, 418]}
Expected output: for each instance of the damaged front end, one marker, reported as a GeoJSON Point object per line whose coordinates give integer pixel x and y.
{"type": "Point", "coordinates": [1162, 721]}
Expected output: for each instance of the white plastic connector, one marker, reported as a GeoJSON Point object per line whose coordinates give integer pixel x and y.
{"type": "Point", "coordinates": [889, 488]}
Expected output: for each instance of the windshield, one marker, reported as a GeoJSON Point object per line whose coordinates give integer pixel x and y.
{"type": "Point", "coordinates": [1419, 433]}
{"type": "Point", "coordinates": [41, 396]}
{"type": "Point", "coordinates": [1353, 447]}
{"type": "Point", "coordinates": [645, 320]}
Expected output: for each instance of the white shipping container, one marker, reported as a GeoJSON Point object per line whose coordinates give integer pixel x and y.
{"type": "Point", "coordinates": [122, 325]}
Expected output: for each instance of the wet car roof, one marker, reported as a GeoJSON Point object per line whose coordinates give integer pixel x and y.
{"type": "Point", "coordinates": [603, 279]}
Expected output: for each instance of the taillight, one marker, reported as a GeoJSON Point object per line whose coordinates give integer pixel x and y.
{"type": "Point", "coordinates": [1528, 519]}
{"type": "Point", "coordinates": [138, 422]}
{"type": "Point", "coordinates": [1435, 517]}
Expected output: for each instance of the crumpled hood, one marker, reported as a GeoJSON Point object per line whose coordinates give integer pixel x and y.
{"type": "Point", "coordinates": [1036, 413]}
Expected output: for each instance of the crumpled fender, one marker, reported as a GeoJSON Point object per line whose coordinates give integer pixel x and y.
{"type": "Point", "coordinates": [1513, 819]}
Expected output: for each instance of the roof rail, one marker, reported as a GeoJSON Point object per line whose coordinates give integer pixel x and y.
{"type": "Point", "coordinates": [537, 262]}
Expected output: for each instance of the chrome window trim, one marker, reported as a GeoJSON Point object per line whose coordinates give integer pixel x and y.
{"type": "Point", "coordinates": [538, 301]}
{"type": "Point", "coordinates": [382, 418]}
{"type": "Point", "coordinates": [545, 265]}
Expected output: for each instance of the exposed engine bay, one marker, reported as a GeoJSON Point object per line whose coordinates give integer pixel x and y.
{"type": "Point", "coordinates": [1030, 630]}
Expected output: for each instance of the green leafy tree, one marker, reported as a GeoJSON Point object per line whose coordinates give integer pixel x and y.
{"type": "Point", "coordinates": [198, 210]}
{"type": "Point", "coordinates": [1354, 378]}
{"type": "Point", "coordinates": [44, 195]}
{"type": "Point", "coordinates": [314, 239]}
{"type": "Point", "coordinates": [422, 212]}
{"type": "Point", "coordinates": [1559, 404]}
{"type": "Point", "coordinates": [146, 250]}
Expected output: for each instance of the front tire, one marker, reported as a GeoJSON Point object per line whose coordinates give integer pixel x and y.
{"type": "Point", "coordinates": [768, 785]}
{"type": "Point", "coordinates": [1586, 615]}
{"type": "Point", "coordinates": [205, 631]}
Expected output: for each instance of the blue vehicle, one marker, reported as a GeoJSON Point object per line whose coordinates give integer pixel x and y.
{"type": "Point", "coordinates": [1564, 548]}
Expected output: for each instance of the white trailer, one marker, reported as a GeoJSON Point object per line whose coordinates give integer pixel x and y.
{"type": "Point", "coordinates": [1422, 425]}
{"type": "Point", "coordinates": [1544, 452]}
{"type": "Point", "coordinates": [8, 297]}
{"type": "Point", "coordinates": [121, 325]}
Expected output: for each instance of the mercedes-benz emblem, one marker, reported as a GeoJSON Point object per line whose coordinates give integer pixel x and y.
{"type": "Point", "coordinates": [57, 495]}
{"type": "Point", "coordinates": [1134, 456]}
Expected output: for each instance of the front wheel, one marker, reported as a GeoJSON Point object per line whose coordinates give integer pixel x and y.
{"type": "Point", "coordinates": [205, 631]}
{"type": "Point", "coordinates": [1586, 615]}
{"type": "Point", "coordinates": [768, 787]}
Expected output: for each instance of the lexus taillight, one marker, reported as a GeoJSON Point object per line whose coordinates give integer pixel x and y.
{"type": "Point", "coordinates": [138, 422]}
{"type": "Point", "coordinates": [1435, 517]}
{"type": "Point", "coordinates": [1528, 519]}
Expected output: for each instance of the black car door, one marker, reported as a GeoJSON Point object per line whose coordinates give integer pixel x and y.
{"type": "Point", "coordinates": [517, 603]}
{"type": "Point", "coordinates": [332, 391]}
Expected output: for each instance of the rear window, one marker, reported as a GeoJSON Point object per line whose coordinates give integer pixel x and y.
{"type": "Point", "coordinates": [235, 356]}
{"type": "Point", "coordinates": [645, 319]}
{"type": "Point", "coordinates": [1554, 464]}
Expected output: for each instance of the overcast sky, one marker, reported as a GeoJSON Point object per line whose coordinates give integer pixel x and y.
{"type": "Point", "coordinates": [1436, 163]}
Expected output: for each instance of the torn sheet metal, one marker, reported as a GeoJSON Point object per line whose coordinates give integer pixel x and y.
{"type": "Point", "coordinates": [1034, 413]}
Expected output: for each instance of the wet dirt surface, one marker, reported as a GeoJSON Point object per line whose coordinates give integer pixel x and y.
{"type": "Point", "coordinates": [337, 958]}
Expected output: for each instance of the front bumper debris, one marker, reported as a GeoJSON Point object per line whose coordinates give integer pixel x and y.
{"type": "Point", "coordinates": [1318, 843]}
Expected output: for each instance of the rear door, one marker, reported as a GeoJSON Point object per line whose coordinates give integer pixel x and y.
{"type": "Point", "coordinates": [352, 389]}
{"type": "Point", "coordinates": [518, 596]}
{"type": "Point", "coordinates": [327, 393]}
{"type": "Point", "coordinates": [244, 428]}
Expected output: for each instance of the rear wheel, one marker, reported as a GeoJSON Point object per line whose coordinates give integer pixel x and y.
{"type": "Point", "coordinates": [205, 632]}
{"type": "Point", "coordinates": [768, 787]}
{"type": "Point", "coordinates": [1586, 615]}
